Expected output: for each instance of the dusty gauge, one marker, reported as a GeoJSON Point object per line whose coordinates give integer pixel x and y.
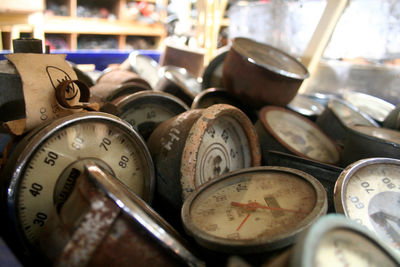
{"type": "Point", "coordinates": [44, 166]}
{"type": "Point", "coordinates": [326, 174]}
{"type": "Point", "coordinates": [336, 241]}
{"type": "Point", "coordinates": [306, 106]}
{"type": "Point", "coordinates": [367, 142]}
{"type": "Point", "coordinates": [253, 210]}
{"type": "Point", "coordinates": [212, 96]}
{"type": "Point", "coordinates": [284, 130]}
{"type": "Point", "coordinates": [212, 74]}
{"type": "Point", "coordinates": [339, 115]}
{"type": "Point", "coordinates": [368, 191]}
{"type": "Point", "coordinates": [376, 108]}
{"type": "Point", "coordinates": [177, 81]}
{"type": "Point", "coordinates": [104, 224]}
{"type": "Point", "coordinates": [145, 110]}
{"type": "Point", "coordinates": [146, 67]}
{"type": "Point", "coordinates": [199, 145]}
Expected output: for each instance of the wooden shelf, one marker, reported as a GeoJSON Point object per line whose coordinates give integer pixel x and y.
{"type": "Point", "coordinates": [56, 24]}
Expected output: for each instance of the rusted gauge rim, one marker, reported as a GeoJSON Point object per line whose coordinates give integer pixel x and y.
{"type": "Point", "coordinates": [210, 93]}
{"type": "Point", "coordinates": [305, 249]}
{"type": "Point", "coordinates": [325, 139]}
{"type": "Point", "coordinates": [338, 105]}
{"type": "Point", "coordinates": [198, 130]}
{"type": "Point", "coordinates": [170, 73]}
{"type": "Point", "coordinates": [348, 173]}
{"type": "Point", "coordinates": [253, 245]}
{"type": "Point", "coordinates": [375, 107]}
{"type": "Point", "coordinates": [142, 214]}
{"type": "Point", "coordinates": [270, 58]}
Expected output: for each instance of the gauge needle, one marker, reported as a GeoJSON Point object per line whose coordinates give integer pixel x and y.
{"type": "Point", "coordinates": [244, 220]}
{"type": "Point", "coordinates": [252, 206]}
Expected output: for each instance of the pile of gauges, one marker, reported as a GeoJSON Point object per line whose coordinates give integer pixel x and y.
{"type": "Point", "coordinates": [173, 171]}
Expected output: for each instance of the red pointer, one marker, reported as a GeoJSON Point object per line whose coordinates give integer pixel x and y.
{"type": "Point", "coordinates": [252, 206]}
{"type": "Point", "coordinates": [244, 220]}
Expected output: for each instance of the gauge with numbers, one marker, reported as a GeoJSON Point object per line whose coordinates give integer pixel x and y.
{"type": "Point", "coordinates": [368, 191]}
{"type": "Point", "coordinates": [200, 145]}
{"type": "Point", "coordinates": [337, 241]}
{"type": "Point", "coordinates": [284, 130]}
{"type": "Point", "coordinates": [145, 110]}
{"type": "Point", "coordinates": [253, 210]}
{"type": "Point", "coordinates": [44, 167]}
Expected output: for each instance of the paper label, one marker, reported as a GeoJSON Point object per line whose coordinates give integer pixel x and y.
{"type": "Point", "coordinates": [40, 75]}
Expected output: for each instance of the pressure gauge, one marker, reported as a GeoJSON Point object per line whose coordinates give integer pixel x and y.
{"type": "Point", "coordinates": [212, 96]}
{"type": "Point", "coordinates": [336, 241]}
{"type": "Point", "coordinates": [283, 130]}
{"type": "Point", "coordinates": [146, 67]}
{"type": "Point", "coordinates": [376, 108]}
{"type": "Point", "coordinates": [104, 223]}
{"type": "Point", "coordinates": [306, 106]}
{"type": "Point", "coordinates": [253, 210]}
{"type": "Point", "coordinates": [145, 110]}
{"type": "Point", "coordinates": [339, 115]}
{"type": "Point", "coordinates": [212, 74]}
{"type": "Point", "coordinates": [199, 145]}
{"type": "Point", "coordinates": [177, 81]}
{"type": "Point", "coordinates": [45, 165]}
{"type": "Point", "coordinates": [367, 142]}
{"type": "Point", "coordinates": [368, 191]}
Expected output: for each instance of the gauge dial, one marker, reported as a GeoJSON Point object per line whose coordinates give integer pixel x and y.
{"type": "Point", "coordinates": [254, 209]}
{"type": "Point", "coordinates": [349, 114]}
{"type": "Point", "coordinates": [299, 135]}
{"type": "Point", "coordinates": [224, 148]}
{"type": "Point", "coordinates": [347, 248]}
{"type": "Point", "coordinates": [145, 110]}
{"type": "Point", "coordinates": [221, 140]}
{"type": "Point", "coordinates": [49, 162]}
{"type": "Point", "coordinates": [335, 240]}
{"type": "Point", "coordinates": [368, 191]}
{"type": "Point", "coordinates": [380, 133]}
{"type": "Point", "coordinates": [375, 107]}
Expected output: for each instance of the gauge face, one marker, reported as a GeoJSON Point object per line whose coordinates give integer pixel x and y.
{"type": "Point", "coordinates": [306, 106]}
{"type": "Point", "coordinates": [147, 68]}
{"type": "Point", "coordinates": [52, 166]}
{"type": "Point", "coordinates": [190, 82]}
{"type": "Point", "coordinates": [269, 57]}
{"type": "Point", "coordinates": [370, 195]}
{"type": "Point", "coordinates": [224, 148]}
{"type": "Point", "coordinates": [343, 247]}
{"type": "Point", "coordinates": [381, 133]}
{"type": "Point", "coordinates": [300, 136]}
{"type": "Point", "coordinates": [253, 208]}
{"type": "Point", "coordinates": [347, 115]}
{"type": "Point", "coordinates": [375, 107]}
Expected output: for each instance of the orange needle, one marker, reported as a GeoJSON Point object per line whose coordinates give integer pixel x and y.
{"type": "Point", "coordinates": [255, 205]}
{"type": "Point", "coordinates": [244, 220]}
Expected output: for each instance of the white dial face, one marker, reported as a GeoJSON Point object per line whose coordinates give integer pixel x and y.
{"type": "Point", "coordinates": [224, 148]}
{"type": "Point", "coordinates": [302, 137]}
{"type": "Point", "coordinates": [253, 206]}
{"type": "Point", "coordinates": [51, 169]}
{"type": "Point", "coordinates": [372, 198]}
{"type": "Point", "coordinates": [343, 247]}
